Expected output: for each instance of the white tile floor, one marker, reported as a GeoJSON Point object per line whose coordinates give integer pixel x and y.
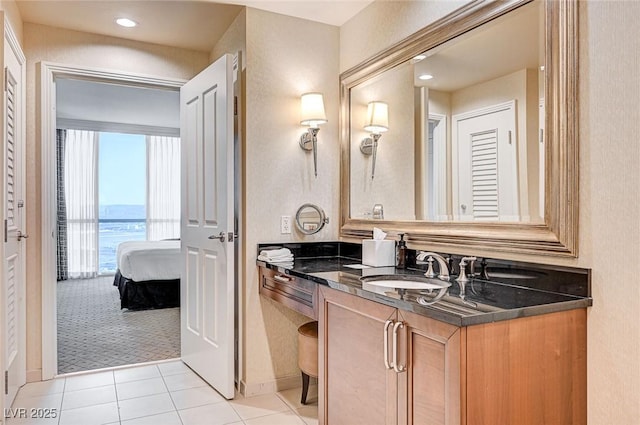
{"type": "Point", "coordinates": [163, 394]}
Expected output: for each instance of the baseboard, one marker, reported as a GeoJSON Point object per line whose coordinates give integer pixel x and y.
{"type": "Point", "coordinates": [34, 375]}
{"type": "Point", "coordinates": [269, 387]}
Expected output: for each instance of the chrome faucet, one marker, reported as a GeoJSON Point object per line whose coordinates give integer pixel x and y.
{"type": "Point", "coordinates": [442, 264]}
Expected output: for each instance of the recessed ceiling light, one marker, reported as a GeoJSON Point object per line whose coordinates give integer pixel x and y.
{"type": "Point", "coordinates": [419, 57]}
{"type": "Point", "coordinates": [425, 76]}
{"type": "Point", "coordinates": [126, 22]}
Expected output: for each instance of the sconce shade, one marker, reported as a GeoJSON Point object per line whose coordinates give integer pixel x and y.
{"type": "Point", "coordinates": [377, 117]}
{"type": "Point", "coordinates": [312, 110]}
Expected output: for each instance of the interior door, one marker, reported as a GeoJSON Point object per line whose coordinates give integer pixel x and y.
{"type": "Point", "coordinates": [486, 176]}
{"type": "Point", "coordinates": [207, 225]}
{"type": "Point", "coordinates": [13, 250]}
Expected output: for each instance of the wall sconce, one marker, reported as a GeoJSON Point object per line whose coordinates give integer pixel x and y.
{"type": "Point", "coordinates": [312, 108]}
{"type": "Point", "coordinates": [377, 123]}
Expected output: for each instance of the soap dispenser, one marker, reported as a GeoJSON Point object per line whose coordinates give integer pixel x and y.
{"type": "Point", "coordinates": [401, 255]}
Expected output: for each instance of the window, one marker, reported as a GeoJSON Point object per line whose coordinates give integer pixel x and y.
{"type": "Point", "coordinates": [122, 175]}
{"type": "Point", "coordinates": [118, 187]}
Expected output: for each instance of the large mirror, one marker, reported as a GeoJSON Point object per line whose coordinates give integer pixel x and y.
{"type": "Point", "coordinates": [465, 131]}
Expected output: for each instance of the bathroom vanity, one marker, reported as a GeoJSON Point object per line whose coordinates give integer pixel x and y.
{"type": "Point", "coordinates": [508, 346]}
{"type": "Point", "coordinates": [511, 349]}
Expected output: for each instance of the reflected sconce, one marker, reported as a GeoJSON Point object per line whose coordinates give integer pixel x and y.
{"type": "Point", "coordinates": [377, 123]}
{"type": "Point", "coordinates": [312, 114]}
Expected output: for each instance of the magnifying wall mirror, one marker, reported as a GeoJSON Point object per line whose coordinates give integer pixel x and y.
{"type": "Point", "coordinates": [310, 219]}
{"type": "Point", "coordinates": [480, 149]}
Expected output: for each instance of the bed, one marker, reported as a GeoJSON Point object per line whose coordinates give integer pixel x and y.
{"type": "Point", "coordinates": [148, 274]}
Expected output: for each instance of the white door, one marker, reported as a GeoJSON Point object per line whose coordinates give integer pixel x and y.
{"type": "Point", "coordinates": [485, 177]}
{"type": "Point", "coordinates": [13, 250]}
{"type": "Point", "coordinates": [207, 282]}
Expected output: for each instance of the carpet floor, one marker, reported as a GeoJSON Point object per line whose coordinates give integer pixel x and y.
{"type": "Point", "coordinates": [93, 332]}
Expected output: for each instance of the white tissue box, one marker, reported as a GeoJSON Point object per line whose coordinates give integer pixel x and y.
{"type": "Point", "coordinates": [378, 253]}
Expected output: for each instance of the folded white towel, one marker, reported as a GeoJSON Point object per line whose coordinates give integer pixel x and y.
{"type": "Point", "coordinates": [274, 253]}
{"type": "Point", "coordinates": [280, 259]}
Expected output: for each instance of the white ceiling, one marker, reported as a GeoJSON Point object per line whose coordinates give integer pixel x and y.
{"type": "Point", "coordinates": [90, 101]}
{"type": "Point", "coordinates": [195, 25]}
{"type": "Point", "coordinates": [510, 43]}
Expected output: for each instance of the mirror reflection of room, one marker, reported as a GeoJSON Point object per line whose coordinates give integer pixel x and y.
{"type": "Point", "coordinates": [466, 129]}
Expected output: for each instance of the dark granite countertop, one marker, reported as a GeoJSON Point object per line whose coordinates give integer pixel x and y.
{"type": "Point", "coordinates": [482, 301]}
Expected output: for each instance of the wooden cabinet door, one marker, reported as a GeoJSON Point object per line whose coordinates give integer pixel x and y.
{"type": "Point", "coordinates": [528, 371]}
{"type": "Point", "coordinates": [355, 387]}
{"type": "Point", "coordinates": [432, 381]}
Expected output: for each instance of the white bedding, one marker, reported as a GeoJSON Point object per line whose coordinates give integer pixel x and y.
{"type": "Point", "coordinates": [149, 260]}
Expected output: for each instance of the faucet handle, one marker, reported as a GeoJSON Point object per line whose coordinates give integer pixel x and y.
{"type": "Point", "coordinates": [430, 272]}
{"type": "Point", "coordinates": [462, 277]}
{"type": "Point", "coordinates": [471, 261]}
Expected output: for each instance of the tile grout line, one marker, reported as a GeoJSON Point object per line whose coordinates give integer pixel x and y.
{"type": "Point", "coordinates": [64, 389]}
{"type": "Point", "coordinates": [294, 409]}
{"type": "Point", "coordinates": [269, 414]}
{"type": "Point", "coordinates": [175, 408]}
{"type": "Point", "coordinates": [115, 388]}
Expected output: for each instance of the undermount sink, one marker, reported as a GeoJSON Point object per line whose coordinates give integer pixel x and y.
{"type": "Point", "coordinates": [404, 282]}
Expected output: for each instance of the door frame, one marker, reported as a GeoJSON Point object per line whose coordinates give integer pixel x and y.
{"type": "Point", "coordinates": [47, 72]}
{"type": "Point", "coordinates": [440, 170]}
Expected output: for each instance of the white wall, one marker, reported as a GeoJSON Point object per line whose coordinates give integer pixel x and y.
{"type": "Point", "coordinates": [386, 22]}
{"type": "Point", "coordinates": [12, 14]}
{"type": "Point", "coordinates": [286, 57]}
{"type": "Point", "coordinates": [609, 224]}
{"type": "Point", "coordinates": [609, 241]}
{"type": "Point", "coordinates": [394, 183]}
{"type": "Point", "coordinates": [42, 43]}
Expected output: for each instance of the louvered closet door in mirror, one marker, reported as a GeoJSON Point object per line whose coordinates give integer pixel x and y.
{"type": "Point", "coordinates": [13, 255]}
{"type": "Point", "coordinates": [485, 174]}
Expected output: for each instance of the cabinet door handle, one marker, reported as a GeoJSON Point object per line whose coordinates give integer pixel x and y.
{"type": "Point", "coordinates": [397, 367]}
{"type": "Point", "coordinates": [283, 279]}
{"type": "Point", "coordinates": [385, 344]}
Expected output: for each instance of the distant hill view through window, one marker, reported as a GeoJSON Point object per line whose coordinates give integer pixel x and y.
{"type": "Point", "coordinates": [122, 194]}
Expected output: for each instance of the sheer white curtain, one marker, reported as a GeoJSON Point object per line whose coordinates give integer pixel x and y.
{"type": "Point", "coordinates": [80, 182]}
{"type": "Point", "coordinates": [163, 187]}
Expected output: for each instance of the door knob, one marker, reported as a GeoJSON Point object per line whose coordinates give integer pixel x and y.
{"type": "Point", "coordinates": [222, 236]}
{"type": "Point", "coordinates": [21, 235]}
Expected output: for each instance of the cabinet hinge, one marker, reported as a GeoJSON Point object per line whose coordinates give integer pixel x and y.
{"type": "Point", "coordinates": [6, 230]}
{"type": "Point", "coordinates": [6, 78]}
{"type": "Point", "coordinates": [6, 382]}
{"type": "Point", "coordinates": [235, 105]}
{"type": "Point", "coordinates": [509, 136]}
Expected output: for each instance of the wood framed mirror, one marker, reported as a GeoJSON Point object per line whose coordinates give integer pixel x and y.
{"type": "Point", "coordinates": [532, 203]}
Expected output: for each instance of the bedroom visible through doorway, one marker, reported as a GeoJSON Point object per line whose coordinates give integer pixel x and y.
{"type": "Point", "coordinates": [118, 225]}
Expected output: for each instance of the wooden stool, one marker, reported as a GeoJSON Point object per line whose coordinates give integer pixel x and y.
{"type": "Point", "coordinates": [307, 355]}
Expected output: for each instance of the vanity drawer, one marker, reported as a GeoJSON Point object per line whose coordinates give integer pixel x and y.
{"type": "Point", "coordinates": [298, 294]}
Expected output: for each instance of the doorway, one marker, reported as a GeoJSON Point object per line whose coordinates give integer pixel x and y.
{"type": "Point", "coordinates": [61, 76]}
{"type": "Point", "coordinates": [118, 184]}
{"type": "Point", "coordinates": [49, 74]}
